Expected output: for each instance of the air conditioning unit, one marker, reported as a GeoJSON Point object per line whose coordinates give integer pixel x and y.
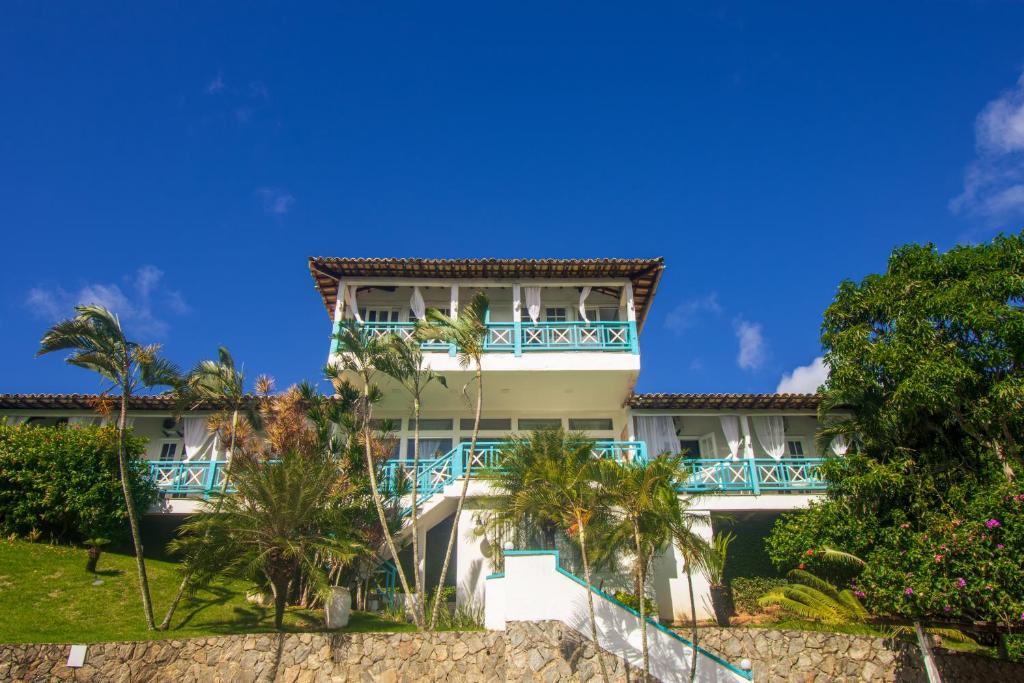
{"type": "Point", "coordinates": [170, 427]}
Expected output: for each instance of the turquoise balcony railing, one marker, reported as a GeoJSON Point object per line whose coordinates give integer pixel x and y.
{"type": "Point", "coordinates": [198, 477]}
{"type": "Point", "coordinates": [754, 475]}
{"type": "Point", "coordinates": [517, 338]}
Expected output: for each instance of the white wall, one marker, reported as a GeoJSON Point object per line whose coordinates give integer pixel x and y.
{"type": "Point", "coordinates": [532, 589]}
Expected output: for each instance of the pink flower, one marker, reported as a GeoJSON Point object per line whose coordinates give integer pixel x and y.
{"type": "Point", "coordinates": [908, 591]}
{"type": "Point", "coordinates": [992, 523]}
{"type": "Point", "coordinates": [860, 594]}
{"type": "Point", "coordinates": [999, 546]}
{"type": "Point", "coordinates": [947, 608]}
{"type": "Point", "coordinates": [961, 583]}
{"type": "Point", "coordinates": [905, 525]}
{"type": "Point", "coordinates": [938, 558]}
{"type": "Point", "coordinates": [810, 552]}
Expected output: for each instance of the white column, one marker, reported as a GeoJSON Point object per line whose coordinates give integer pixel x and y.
{"type": "Point", "coordinates": [669, 581]}
{"type": "Point", "coordinates": [517, 319]}
{"type": "Point", "coordinates": [471, 567]}
{"type": "Point", "coordinates": [627, 302]}
{"type": "Point", "coordinates": [339, 314]}
{"type": "Point", "coordinates": [454, 304]}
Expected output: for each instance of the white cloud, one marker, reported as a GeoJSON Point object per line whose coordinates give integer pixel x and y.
{"type": "Point", "coordinates": [216, 85]}
{"type": "Point", "coordinates": [276, 201]}
{"type": "Point", "coordinates": [752, 354]}
{"type": "Point", "coordinates": [805, 379]}
{"type": "Point", "coordinates": [140, 309]}
{"type": "Point", "coordinates": [994, 181]}
{"type": "Point", "coordinates": [687, 314]}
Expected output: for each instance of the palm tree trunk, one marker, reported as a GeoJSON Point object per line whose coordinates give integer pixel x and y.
{"type": "Point", "coordinates": [418, 579]}
{"type": "Point", "coordinates": [462, 496]}
{"type": "Point", "coordinates": [133, 518]}
{"type": "Point", "coordinates": [590, 597]}
{"type": "Point", "coordinates": [371, 469]}
{"type": "Point", "coordinates": [642, 581]}
{"type": "Point", "coordinates": [166, 623]}
{"type": "Point", "coordinates": [280, 601]}
{"type": "Point", "coordinates": [693, 622]}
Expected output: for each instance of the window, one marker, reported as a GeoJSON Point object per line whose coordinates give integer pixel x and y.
{"type": "Point", "coordinates": [535, 423]}
{"type": "Point", "coordinates": [795, 447]}
{"type": "Point", "coordinates": [491, 424]}
{"type": "Point", "coordinates": [168, 451]}
{"type": "Point", "coordinates": [379, 315]}
{"type": "Point", "coordinates": [605, 313]}
{"type": "Point", "coordinates": [690, 448]}
{"type": "Point", "coordinates": [590, 424]}
{"type": "Point", "coordinates": [433, 425]}
{"type": "Point", "coordinates": [556, 315]}
{"type": "Point", "coordinates": [429, 448]}
{"type": "Point", "coordinates": [441, 309]}
{"type": "Point", "coordinates": [386, 424]}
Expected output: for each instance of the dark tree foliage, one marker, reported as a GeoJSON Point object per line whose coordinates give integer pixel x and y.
{"type": "Point", "coordinates": [926, 382]}
{"type": "Point", "coordinates": [63, 482]}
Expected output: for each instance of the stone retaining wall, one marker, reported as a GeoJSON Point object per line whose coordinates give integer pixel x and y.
{"type": "Point", "coordinates": [541, 651]}
{"type": "Point", "coordinates": [810, 657]}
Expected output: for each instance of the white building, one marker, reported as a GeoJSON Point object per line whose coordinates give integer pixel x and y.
{"type": "Point", "coordinates": [563, 350]}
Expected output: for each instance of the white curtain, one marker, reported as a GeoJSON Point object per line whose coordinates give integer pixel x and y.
{"type": "Point", "coordinates": [532, 295]}
{"type": "Point", "coordinates": [198, 439]}
{"type": "Point", "coordinates": [584, 293]}
{"type": "Point", "coordinates": [353, 305]}
{"type": "Point", "coordinates": [771, 432]}
{"type": "Point", "coordinates": [658, 432]}
{"type": "Point", "coordinates": [840, 444]}
{"type": "Point", "coordinates": [430, 448]}
{"type": "Point", "coordinates": [81, 421]}
{"type": "Point", "coordinates": [417, 305]}
{"type": "Point", "coordinates": [731, 429]}
{"type": "Point", "coordinates": [748, 440]}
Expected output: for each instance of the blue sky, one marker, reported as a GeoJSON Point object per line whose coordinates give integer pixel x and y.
{"type": "Point", "coordinates": [180, 163]}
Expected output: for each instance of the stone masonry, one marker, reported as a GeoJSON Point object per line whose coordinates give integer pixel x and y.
{"type": "Point", "coordinates": [529, 652]}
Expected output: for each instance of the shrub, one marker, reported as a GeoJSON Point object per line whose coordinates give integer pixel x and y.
{"type": "Point", "coordinates": [64, 483]}
{"type": "Point", "coordinates": [630, 600]}
{"type": "Point", "coordinates": [747, 589]}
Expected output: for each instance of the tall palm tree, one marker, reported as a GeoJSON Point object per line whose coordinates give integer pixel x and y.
{"type": "Point", "coordinates": [552, 477]}
{"type": "Point", "coordinates": [361, 353]}
{"type": "Point", "coordinates": [403, 361]}
{"type": "Point", "coordinates": [285, 521]}
{"type": "Point", "coordinates": [97, 342]}
{"type": "Point", "coordinates": [218, 383]}
{"type": "Point", "coordinates": [643, 498]}
{"type": "Point", "coordinates": [467, 331]}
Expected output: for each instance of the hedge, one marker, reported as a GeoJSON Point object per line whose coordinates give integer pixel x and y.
{"type": "Point", "coordinates": [63, 482]}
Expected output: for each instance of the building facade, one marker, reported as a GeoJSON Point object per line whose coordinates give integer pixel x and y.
{"type": "Point", "coordinates": [563, 349]}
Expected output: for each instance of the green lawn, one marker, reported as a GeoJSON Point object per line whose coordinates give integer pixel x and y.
{"type": "Point", "coordinates": [47, 596]}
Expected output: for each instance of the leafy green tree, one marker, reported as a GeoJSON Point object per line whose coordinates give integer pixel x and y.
{"type": "Point", "coordinates": [98, 343]}
{"type": "Point", "coordinates": [286, 519]}
{"type": "Point", "coordinates": [403, 361]}
{"type": "Point", "coordinates": [552, 477]}
{"type": "Point", "coordinates": [467, 331]}
{"type": "Point", "coordinates": [643, 500]}
{"type": "Point", "coordinates": [697, 555]}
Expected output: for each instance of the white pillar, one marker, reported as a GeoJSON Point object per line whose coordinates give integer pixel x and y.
{"type": "Point", "coordinates": [471, 567]}
{"type": "Point", "coordinates": [627, 302]}
{"type": "Point", "coordinates": [517, 319]}
{"type": "Point", "coordinates": [669, 581]}
{"type": "Point", "coordinates": [453, 311]}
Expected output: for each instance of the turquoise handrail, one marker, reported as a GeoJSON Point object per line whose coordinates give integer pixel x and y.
{"type": "Point", "coordinates": [577, 335]}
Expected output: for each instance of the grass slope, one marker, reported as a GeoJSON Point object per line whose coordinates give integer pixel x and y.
{"type": "Point", "coordinates": [47, 596]}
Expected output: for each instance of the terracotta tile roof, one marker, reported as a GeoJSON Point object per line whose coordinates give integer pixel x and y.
{"type": "Point", "coordinates": [157, 402]}
{"type": "Point", "coordinates": [725, 401]}
{"type": "Point", "coordinates": [644, 273]}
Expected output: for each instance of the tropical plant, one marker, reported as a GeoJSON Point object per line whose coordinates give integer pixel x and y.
{"type": "Point", "coordinates": [94, 548]}
{"type": "Point", "coordinates": [361, 353]}
{"type": "Point", "coordinates": [643, 501]}
{"type": "Point", "coordinates": [220, 384]}
{"type": "Point", "coordinates": [98, 343]}
{"type": "Point", "coordinates": [810, 597]}
{"type": "Point", "coordinates": [551, 478]}
{"type": "Point", "coordinates": [467, 331]}
{"type": "Point", "coordinates": [697, 555]}
{"type": "Point", "coordinates": [287, 520]}
{"type": "Point", "coordinates": [403, 361]}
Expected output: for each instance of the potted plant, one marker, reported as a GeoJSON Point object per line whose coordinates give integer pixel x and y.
{"type": "Point", "coordinates": [721, 597]}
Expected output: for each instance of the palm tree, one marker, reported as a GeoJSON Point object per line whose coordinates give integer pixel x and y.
{"type": "Point", "coordinates": [403, 361]}
{"type": "Point", "coordinates": [467, 331]}
{"type": "Point", "coordinates": [697, 554]}
{"type": "Point", "coordinates": [551, 477]}
{"type": "Point", "coordinates": [219, 383]}
{"type": "Point", "coordinates": [285, 521]}
{"type": "Point", "coordinates": [643, 498]}
{"type": "Point", "coordinates": [361, 353]}
{"type": "Point", "coordinates": [97, 342]}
